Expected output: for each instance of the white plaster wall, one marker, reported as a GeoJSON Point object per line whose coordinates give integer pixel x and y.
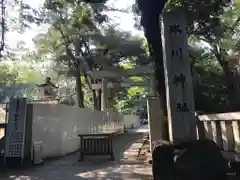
{"type": "Point", "coordinates": [58, 125]}
{"type": "Point", "coordinates": [130, 120]}
{"type": "Point", "coordinates": [2, 113]}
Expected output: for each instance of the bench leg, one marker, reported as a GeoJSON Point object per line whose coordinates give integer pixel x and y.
{"type": "Point", "coordinates": [111, 157]}
{"type": "Point", "coordinates": [81, 158]}
{"type": "Point", "coordinates": [81, 150]}
{"type": "Point", "coordinates": [111, 150]}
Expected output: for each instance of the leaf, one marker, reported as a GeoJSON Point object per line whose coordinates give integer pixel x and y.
{"type": "Point", "coordinates": [237, 2]}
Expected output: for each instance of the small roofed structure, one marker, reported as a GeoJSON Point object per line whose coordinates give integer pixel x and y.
{"type": "Point", "coordinates": [47, 90]}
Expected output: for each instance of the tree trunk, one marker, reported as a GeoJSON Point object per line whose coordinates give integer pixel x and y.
{"type": "Point", "coordinates": [95, 101]}
{"type": "Point", "coordinates": [94, 96]}
{"type": "Point", "coordinates": [152, 31]}
{"type": "Point", "coordinates": [79, 92]}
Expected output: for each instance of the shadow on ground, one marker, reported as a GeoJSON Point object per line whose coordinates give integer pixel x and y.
{"type": "Point", "coordinates": [98, 168]}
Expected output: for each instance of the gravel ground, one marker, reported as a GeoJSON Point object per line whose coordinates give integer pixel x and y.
{"type": "Point", "coordinates": [68, 168]}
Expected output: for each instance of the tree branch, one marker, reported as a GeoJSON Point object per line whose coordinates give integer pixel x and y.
{"type": "Point", "coordinates": [235, 24]}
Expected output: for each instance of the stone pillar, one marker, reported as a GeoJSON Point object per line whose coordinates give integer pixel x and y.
{"type": "Point", "coordinates": [104, 96]}
{"type": "Point", "coordinates": [156, 120]}
{"type": "Point", "coordinates": [179, 90]}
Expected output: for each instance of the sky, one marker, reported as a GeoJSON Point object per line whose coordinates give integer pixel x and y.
{"type": "Point", "coordinates": [125, 22]}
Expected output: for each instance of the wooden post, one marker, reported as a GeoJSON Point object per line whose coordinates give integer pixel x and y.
{"type": "Point", "coordinates": [180, 103]}
{"type": "Point", "coordinates": [104, 97]}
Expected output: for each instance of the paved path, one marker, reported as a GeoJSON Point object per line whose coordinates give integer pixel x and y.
{"type": "Point", "coordinates": [96, 168]}
{"type": "Point", "coordinates": [142, 129]}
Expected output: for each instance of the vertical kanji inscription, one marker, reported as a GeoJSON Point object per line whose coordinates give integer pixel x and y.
{"type": "Point", "coordinates": [177, 53]}
{"type": "Point", "coordinates": [175, 29]}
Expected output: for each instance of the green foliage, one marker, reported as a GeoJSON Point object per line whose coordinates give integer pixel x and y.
{"type": "Point", "coordinates": [85, 28]}
{"type": "Point", "coordinates": [15, 73]}
{"type": "Point", "coordinates": [214, 47]}
{"type": "Point", "coordinates": [213, 28]}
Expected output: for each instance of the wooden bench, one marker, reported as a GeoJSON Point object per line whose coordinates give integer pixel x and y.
{"type": "Point", "coordinates": [96, 144]}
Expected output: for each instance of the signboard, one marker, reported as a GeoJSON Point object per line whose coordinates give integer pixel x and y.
{"type": "Point", "coordinates": [179, 90]}
{"type": "Point", "coordinates": [15, 136]}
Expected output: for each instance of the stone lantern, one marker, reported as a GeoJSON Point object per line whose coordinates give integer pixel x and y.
{"type": "Point", "coordinates": [47, 90]}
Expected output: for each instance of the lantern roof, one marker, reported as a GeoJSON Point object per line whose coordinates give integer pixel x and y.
{"type": "Point", "coordinates": [48, 82]}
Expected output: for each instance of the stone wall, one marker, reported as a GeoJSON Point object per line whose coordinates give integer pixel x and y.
{"type": "Point", "coordinates": [58, 126]}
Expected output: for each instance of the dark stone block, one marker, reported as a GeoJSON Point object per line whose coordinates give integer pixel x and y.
{"type": "Point", "coordinates": [195, 160]}
{"type": "Point", "coordinates": [201, 160]}
{"type": "Point", "coordinates": [162, 161]}
{"type": "Point", "coordinates": [235, 168]}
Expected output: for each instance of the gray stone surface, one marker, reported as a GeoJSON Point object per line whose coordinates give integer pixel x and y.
{"type": "Point", "coordinates": [68, 168]}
